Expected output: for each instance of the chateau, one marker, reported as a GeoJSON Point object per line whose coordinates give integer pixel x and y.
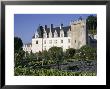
{"type": "Point", "coordinates": [73, 36]}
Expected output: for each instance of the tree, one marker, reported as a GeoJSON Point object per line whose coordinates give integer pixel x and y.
{"type": "Point", "coordinates": [91, 22]}
{"type": "Point", "coordinates": [19, 61]}
{"type": "Point", "coordinates": [70, 53]}
{"type": "Point", "coordinates": [45, 56]}
{"type": "Point", "coordinates": [40, 56]}
{"type": "Point", "coordinates": [18, 52]}
{"type": "Point", "coordinates": [86, 53]}
{"type": "Point", "coordinates": [56, 54]}
{"type": "Point", "coordinates": [17, 44]}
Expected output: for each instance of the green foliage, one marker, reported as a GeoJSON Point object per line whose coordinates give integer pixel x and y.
{"type": "Point", "coordinates": [48, 72]}
{"type": "Point", "coordinates": [31, 63]}
{"type": "Point", "coordinates": [18, 52]}
{"type": "Point", "coordinates": [93, 32]}
{"type": "Point", "coordinates": [86, 53]}
{"type": "Point", "coordinates": [45, 55]}
{"type": "Point", "coordinates": [91, 22]}
{"type": "Point", "coordinates": [56, 54]}
{"type": "Point", "coordinates": [17, 44]}
{"type": "Point", "coordinates": [18, 58]}
{"type": "Point", "coordinates": [77, 55]}
{"type": "Point", "coordinates": [40, 56]}
{"type": "Point", "coordinates": [31, 56]}
{"type": "Point", "coordinates": [70, 53]}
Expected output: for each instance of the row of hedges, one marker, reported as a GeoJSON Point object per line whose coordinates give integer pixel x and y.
{"type": "Point", "coordinates": [49, 72]}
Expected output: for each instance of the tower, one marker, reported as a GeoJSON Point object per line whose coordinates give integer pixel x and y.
{"type": "Point", "coordinates": [78, 33]}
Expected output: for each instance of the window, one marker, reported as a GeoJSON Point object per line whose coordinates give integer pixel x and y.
{"type": "Point", "coordinates": [55, 41]}
{"type": "Point", "coordinates": [44, 41]}
{"type": "Point", "coordinates": [50, 41]}
{"type": "Point", "coordinates": [36, 42]}
{"type": "Point", "coordinates": [61, 41]}
{"type": "Point", "coordinates": [68, 40]}
{"type": "Point", "coordinates": [75, 41]}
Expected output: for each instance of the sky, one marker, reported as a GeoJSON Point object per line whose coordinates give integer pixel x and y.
{"type": "Point", "coordinates": [25, 25]}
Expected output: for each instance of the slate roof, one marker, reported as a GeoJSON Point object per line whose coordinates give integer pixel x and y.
{"type": "Point", "coordinates": [65, 29]}
{"type": "Point", "coordinates": [28, 44]}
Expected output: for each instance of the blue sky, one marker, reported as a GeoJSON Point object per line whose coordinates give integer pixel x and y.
{"type": "Point", "coordinates": [25, 25]}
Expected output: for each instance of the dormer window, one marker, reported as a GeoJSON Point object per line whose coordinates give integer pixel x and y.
{"type": "Point", "coordinates": [55, 34]}
{"type": "Point", "coordinates": [61, 35]}
{"type": "Point", "coordinates": [36, 42]}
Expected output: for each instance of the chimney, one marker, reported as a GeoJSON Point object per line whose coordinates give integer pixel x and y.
{"type": "Point", "coordinates": [45, 27]}
{"type": "Point", "coordinates": [61, 26]}
{"type": "Point", "coordinates": [51, 26]}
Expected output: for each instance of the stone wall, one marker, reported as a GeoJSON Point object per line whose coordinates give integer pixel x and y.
{"type": "Point", "coordinates": [79, 34]}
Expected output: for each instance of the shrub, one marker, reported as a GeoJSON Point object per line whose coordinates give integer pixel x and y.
{"type": "Point", "coordinates": [70, 53]}
{"type": "Point", "coordinates": [86, 53]}
{"type": "Point", "coordinates": [56, 54]}
{"type": "Point", "coordinates": [45, 56]}
{"type": "Point", "coordinates": [48, 72]}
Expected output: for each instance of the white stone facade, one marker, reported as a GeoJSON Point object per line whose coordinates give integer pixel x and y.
{"type": "Point", "coordinates": [64, 42]}
{"type": "Point", "coordinates": [27, 47]}
{"type": "Point", "coordinates": [76, 37]}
